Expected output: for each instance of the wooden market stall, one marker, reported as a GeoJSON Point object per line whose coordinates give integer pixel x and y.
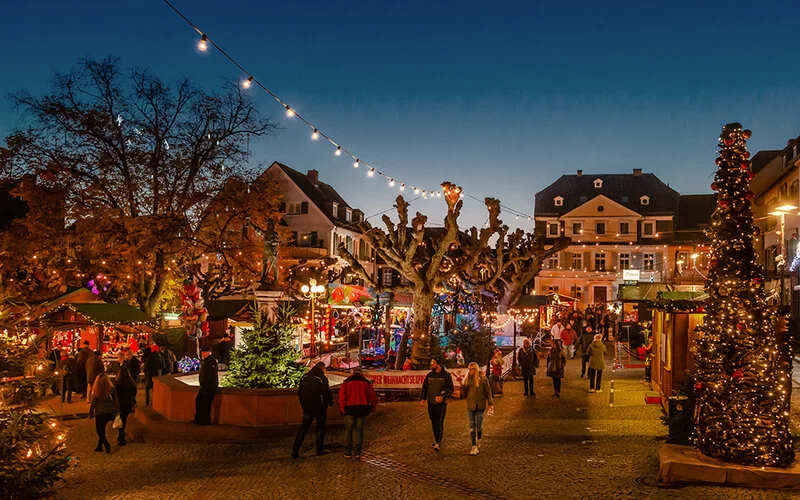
{"type": "Point", "coordinates": [676, 315]}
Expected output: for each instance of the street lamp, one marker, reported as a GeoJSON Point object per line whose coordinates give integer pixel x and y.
{"type": "Point", "coordinates": [313, 292]}
{"type": "Point", "coordinates": [781, 212]}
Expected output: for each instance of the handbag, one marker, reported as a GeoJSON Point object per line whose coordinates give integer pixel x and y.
{"type": "Point", "coordinates": [117, 423]}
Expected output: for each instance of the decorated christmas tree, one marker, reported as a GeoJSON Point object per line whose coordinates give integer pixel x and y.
{"type": "Point", "coordinates": [266, 359]}
{"type": "Point", "coordinates": [742, 411]}
{"type": "Point", "coordinates": [32, 451]}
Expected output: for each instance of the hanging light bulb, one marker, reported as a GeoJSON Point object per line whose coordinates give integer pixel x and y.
{"type": "Point", "coordinates": [402, 187]}
{"type": "Point", "coordinates": [338, 151]}
{"type": "Point", "coordinates": [315, 135]}
{"type": "Point", "coordinates": [416, 190]}
{"type": "Point", "coordinates": [289, 111]}
{"type": "Point", "coordinates": [391, 182]}
{"type": "Point", "coordinates": [371, 172]}
{"type": "Point", "coordinates": [202, 45]}
{"type": "Point", "coordinates": [247, 83]}
{"type": "Point", "coordinates": [356, 163]}
{"type": "Point", "coordinates": [438, 194]}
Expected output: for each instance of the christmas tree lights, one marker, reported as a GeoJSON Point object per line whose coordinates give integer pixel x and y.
{"type": "Point", "coordinates": [742, 411]}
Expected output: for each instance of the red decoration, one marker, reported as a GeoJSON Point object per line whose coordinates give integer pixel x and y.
{"type": "Point", "coordinates": [724, 202]}
{"type": "Point", "coordinates": [714, 186]}
{"type": "Point", "coordinates": [758, 280]}
{"type": "Point", "coordinates": [728, 141]}
{"type": "Point", "coordinates": [712, 263]}
{"type": "Point", "coordinates": [749, 196]}
{"type": "Point", "coordinates": [745, 165]}
{"type": "Point", "coordinates": [337, 295]}
{"type": "Point", "coordinates": [737, 375]}
{"type": "Point", "coordinates": [741, 327]}
{"type": "Point", "coordinates": [718, 161]}
{"type": "Point", "coordinates": [751, 175]}
{"type": "Point", "coordinates": [698, 386]}
{"type": "Point", "coordinates": [746, 133]}
{"type": "Point", "coordinates": [746, 154]}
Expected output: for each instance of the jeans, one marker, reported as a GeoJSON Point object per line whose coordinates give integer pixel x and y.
{"type": "Point", "coordinates": [100, 423]}
{"type": "Point", "coordinates": [202, 406]}
{"type": "Point", "coordinates": [595, 377]}
{"type": "Point", "coordinates": [557, 384]}
{"type": "Point", "coordinates": [352, 423]}
{"type": "Point", "coordinates": [436, 412]}
{"type": "Point", "coordinates": [527, 381]}
{"type": "Point", "coordinates": [320, 416]}
{"type": "Point", "coordinates": [123, 414]}
{"type": "Point", "coordinates": [66, 389]}
{"type": "Point", "coordinates": [475, 425]}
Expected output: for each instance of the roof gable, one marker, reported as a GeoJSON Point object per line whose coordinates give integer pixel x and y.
{"type": "Point", "coordinates": [601, 206]}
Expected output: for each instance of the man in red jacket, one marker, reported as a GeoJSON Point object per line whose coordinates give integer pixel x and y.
{"type": "Point", "coordinates": [357, 399]}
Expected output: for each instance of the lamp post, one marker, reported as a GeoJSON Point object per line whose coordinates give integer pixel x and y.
{"type": "Point", "coordinates": [781, 212]}
{"type": "Point", "coordinates": [312, 291]}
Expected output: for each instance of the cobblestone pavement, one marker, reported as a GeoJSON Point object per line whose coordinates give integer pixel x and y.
{"type": "Point", "coordinates": [575, 446]}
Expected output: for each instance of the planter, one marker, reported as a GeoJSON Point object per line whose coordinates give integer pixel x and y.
{"type": "Point", "coordinates": [174, 399]}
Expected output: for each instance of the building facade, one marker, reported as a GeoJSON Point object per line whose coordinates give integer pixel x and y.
{"type": "Point", "coordinates": [617, 223]}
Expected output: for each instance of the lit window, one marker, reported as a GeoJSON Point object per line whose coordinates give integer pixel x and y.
{"type": "Point", "coordinates": [624, 261]}
{"type": "Point", "coordinates": [553, 261]}
{"type": "Point", "coordinates": [577, 261]}
{"type": "Point", "coordinates": [649, 263]}
{"type": "Point", "coordinates": [599, 262]}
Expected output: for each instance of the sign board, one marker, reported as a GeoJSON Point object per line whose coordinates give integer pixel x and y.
{"type": "Point", "coordinates": [631, 275]}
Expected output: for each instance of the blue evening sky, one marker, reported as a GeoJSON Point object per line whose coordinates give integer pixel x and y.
{"type": "Point", "coordinates": [499, 97]}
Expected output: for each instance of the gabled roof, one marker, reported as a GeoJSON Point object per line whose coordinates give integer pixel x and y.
{"type": "Point", "coordinates": [625, 189]}
{"type": "Point", "coordinates": [104, 313]}
{"type": "Point", "coordinates": [321, 194]}
{"type": "Point", "coordinates": [694, 217]}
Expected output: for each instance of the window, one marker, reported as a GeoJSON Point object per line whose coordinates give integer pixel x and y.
{"type": "Point", "coordinates": [598, 183]}
{"type": "Point", "coordinates": [624, 261]}
{"type": "Point", "coordinates": [558, 201]}
{"type": "Point", "coordinates": [552, 229]}
{"type": "Point", "coordinates": [362, 250]}
{"type": "Point", "coordinates": [644, 200]}
{"type": "Point", "coordinates": [624, 228]}
{"type": "Point", "coordinates": [599, 262]}
{"type": "Point", "coordinates": [600, 228]}
{"type": "Point", "coordinates": [576, 291]}
{"type": "Point", "coordinates": [348, 215]}
{"type": "Point", "coordinates": [648, 229]}
{"type": "Point", "coordinates": [552, 262]}
{"type": "Point", "coordinates": [649, 263]}
{"type": "Point", "coordinates": [793, 193]}
{"type": "Point", "coordinates": [552, 289]}
{"type": "Point", "coordinates": [386, 278]}
{"type": "Point", "coordinates": [577, 228]}
{"type": "Point", "coordinates": [293, 208]}
{"type": "Point", "coordinates": [335, 210]}
{"type": "Point", "coordinates": [601, 208]}
{"type": "Point", "coordinates": [577, 261]}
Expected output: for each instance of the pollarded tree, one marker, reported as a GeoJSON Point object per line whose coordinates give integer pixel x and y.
{"type": "Point", "coordinates": [140, 161]}
{"type": "Point", "coordinates": [425, 258]}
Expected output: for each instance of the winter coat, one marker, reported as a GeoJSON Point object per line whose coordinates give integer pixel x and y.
{"type": "Point", "coordinates": [556, 361]}
{"type": "Point", "coordinates": [134, 367]}
{"type": "Point", "coordinates": [81, 358]}
{"type": "Point", "coordinates": [597, 352]}
{"type": "Point", "coordinates": [357, 396]}
{"type": "Point", "coordinates": [126, 393]}
{"type": "Point", "coordinates": [585, 341]}
{"type": "Point", "coordinates": [94, 367]}
{"type": "Point", "coordinates": [477, 395]}
{"type": "Point", "coordinates": [314, 392]}
{"type": "Point", "coordinates": [209, 376]}
{"type": "Point", "coordinates": [225, 349]}
{"type": "Point", "coordinates": [154, 364]}
{"type": "Point", "coordinates": [437, 384]}
{"type": "Point", "coordinates": [108, 406]}
{"type": "Point", "coordinates": [528, 360]}
{"type": "Point", "coordinates": [568, 336]}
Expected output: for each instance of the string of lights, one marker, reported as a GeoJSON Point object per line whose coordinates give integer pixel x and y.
{"type": "Point", "coordinates": [206, 43]}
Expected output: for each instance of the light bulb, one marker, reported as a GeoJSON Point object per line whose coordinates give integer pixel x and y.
{"type": "Point", "coordinates": [402, 187]}
{"type": "Point", "coordinates": [356, 163]}
{"type": "Point", "coordinates": [416, 190]}
{"type": "Point", "coordinates": [314, 135]}
{"type": "Point", "coordinates": [202, 45]}
{"type": "Point", "coordinates": [391, 182]}
{"type": "Point", "coordinates": [289, 111]}
{"type": "Point", "coordinates": [246, 84]}
{"type": "Point", "coordinates": [371, 172]}
{"type": "Point", "coordinates": [338, 151]}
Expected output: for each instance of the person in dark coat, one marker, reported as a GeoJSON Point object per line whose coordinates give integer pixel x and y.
{"type": "Point", "coordinates": [209, 383]}
{"type": "Point", "coordinates": [584, 341]}
{"type": "Point", "coordinates": [80, 362]}
{"type": "Point", "coordinates": [556, 362]}
{"type": "Point", "coordinates": [126, 399]}
{"type": "Point", "coordinates": [315, 398]}
{"type": "Point", "coordinates": [133, 365]}
{"type": "Point", "coordinates": [436, 388]}
{"type": "Point", "coordinates": [67, 368]}
{"type": "Point", "coordinates": [225, 349]}
{"type": "Point", "coordinates": [94, 367]}
{"type": "Point", "coordinates": [153, 367]}
{"type": "Point", "coordinates": [528, 360]}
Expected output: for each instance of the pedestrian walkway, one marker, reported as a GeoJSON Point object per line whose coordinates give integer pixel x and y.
{"type": "Point", "coordinates": [581, 445]}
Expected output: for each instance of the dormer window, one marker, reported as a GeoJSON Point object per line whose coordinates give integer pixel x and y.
{"type": "Point", "coordinates": [335, 210]}
{"type": "Point", "coordinates": [348, 215]}
{"type": "Point", "coordinates": [558, 201]}
{"type": "Point", "coordinates": [598, 183]}
{"type": "Point", "coordinates": [644, 200]}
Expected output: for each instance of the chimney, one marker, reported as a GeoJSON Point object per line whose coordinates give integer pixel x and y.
{"type": "Point", "coordinates": [637, 171]}
{"type": "Point", "coordinates": [580, 173]}
{"type": "Point", "coordinates": [313, 176]}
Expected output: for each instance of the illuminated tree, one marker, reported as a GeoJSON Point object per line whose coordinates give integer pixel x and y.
{"type": "Point", "coordinates": [742, 412]}
{"type": "Point", "coordinates": [139, 162]}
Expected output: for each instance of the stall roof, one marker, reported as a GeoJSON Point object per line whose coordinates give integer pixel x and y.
{"type": "Point", "coordinates": [224, 309]}
{"type": "Point", "coordinates": [105, 313]}
{"type": "Point", "coordinates": [641, 292]}
{"type": "Point", "coordinates": [680, 295]}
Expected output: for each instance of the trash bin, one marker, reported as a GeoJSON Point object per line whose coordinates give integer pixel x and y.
{"type": "Point", "coordinates": [679, 420]}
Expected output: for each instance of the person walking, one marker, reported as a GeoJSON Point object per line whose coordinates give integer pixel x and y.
{"type": "Point", "coordinates": [496, 366]}
{"type": "Point", "coordinates": [568, 337]}
{"type": "Point", "coordinates": [209, 383]}
{"type": "Point", "coordinates": [556, 361]}
{"type": "Point", "coordinates": [80, 361]}
{"type": "Point", "coordinates": [315, 398]}
{"type": "Point", "coordinates": [103, 408]}
{"type": "Point", "coordinates": [584, 341]}
{"type": "Point", "coordinates": [126, 400]}
{"type": "Point", "coordinates": [133, 365]}
{"type": "Point", "coordinates": [476, 389]}
{"type": "Point", "coordinates": [153, 367]}
{"type": "Point", "coordinates": [436, 388]}
{"type": "Point", "coordinates": [357, 399]}
{"type": "Point", "coordinates": [94, 366]}
{"type": "Point", "coordinates": [528, 360]}
{"type": "Point", "coordinates": [555, 331]}
{"type": "Point", "coordinates": [67, 367]}
{"type": "Point", "coordinates": [597, 362]}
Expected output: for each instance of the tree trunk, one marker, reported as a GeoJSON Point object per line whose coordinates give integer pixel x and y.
{"type": "Point", "coordinates": [421, 329]}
